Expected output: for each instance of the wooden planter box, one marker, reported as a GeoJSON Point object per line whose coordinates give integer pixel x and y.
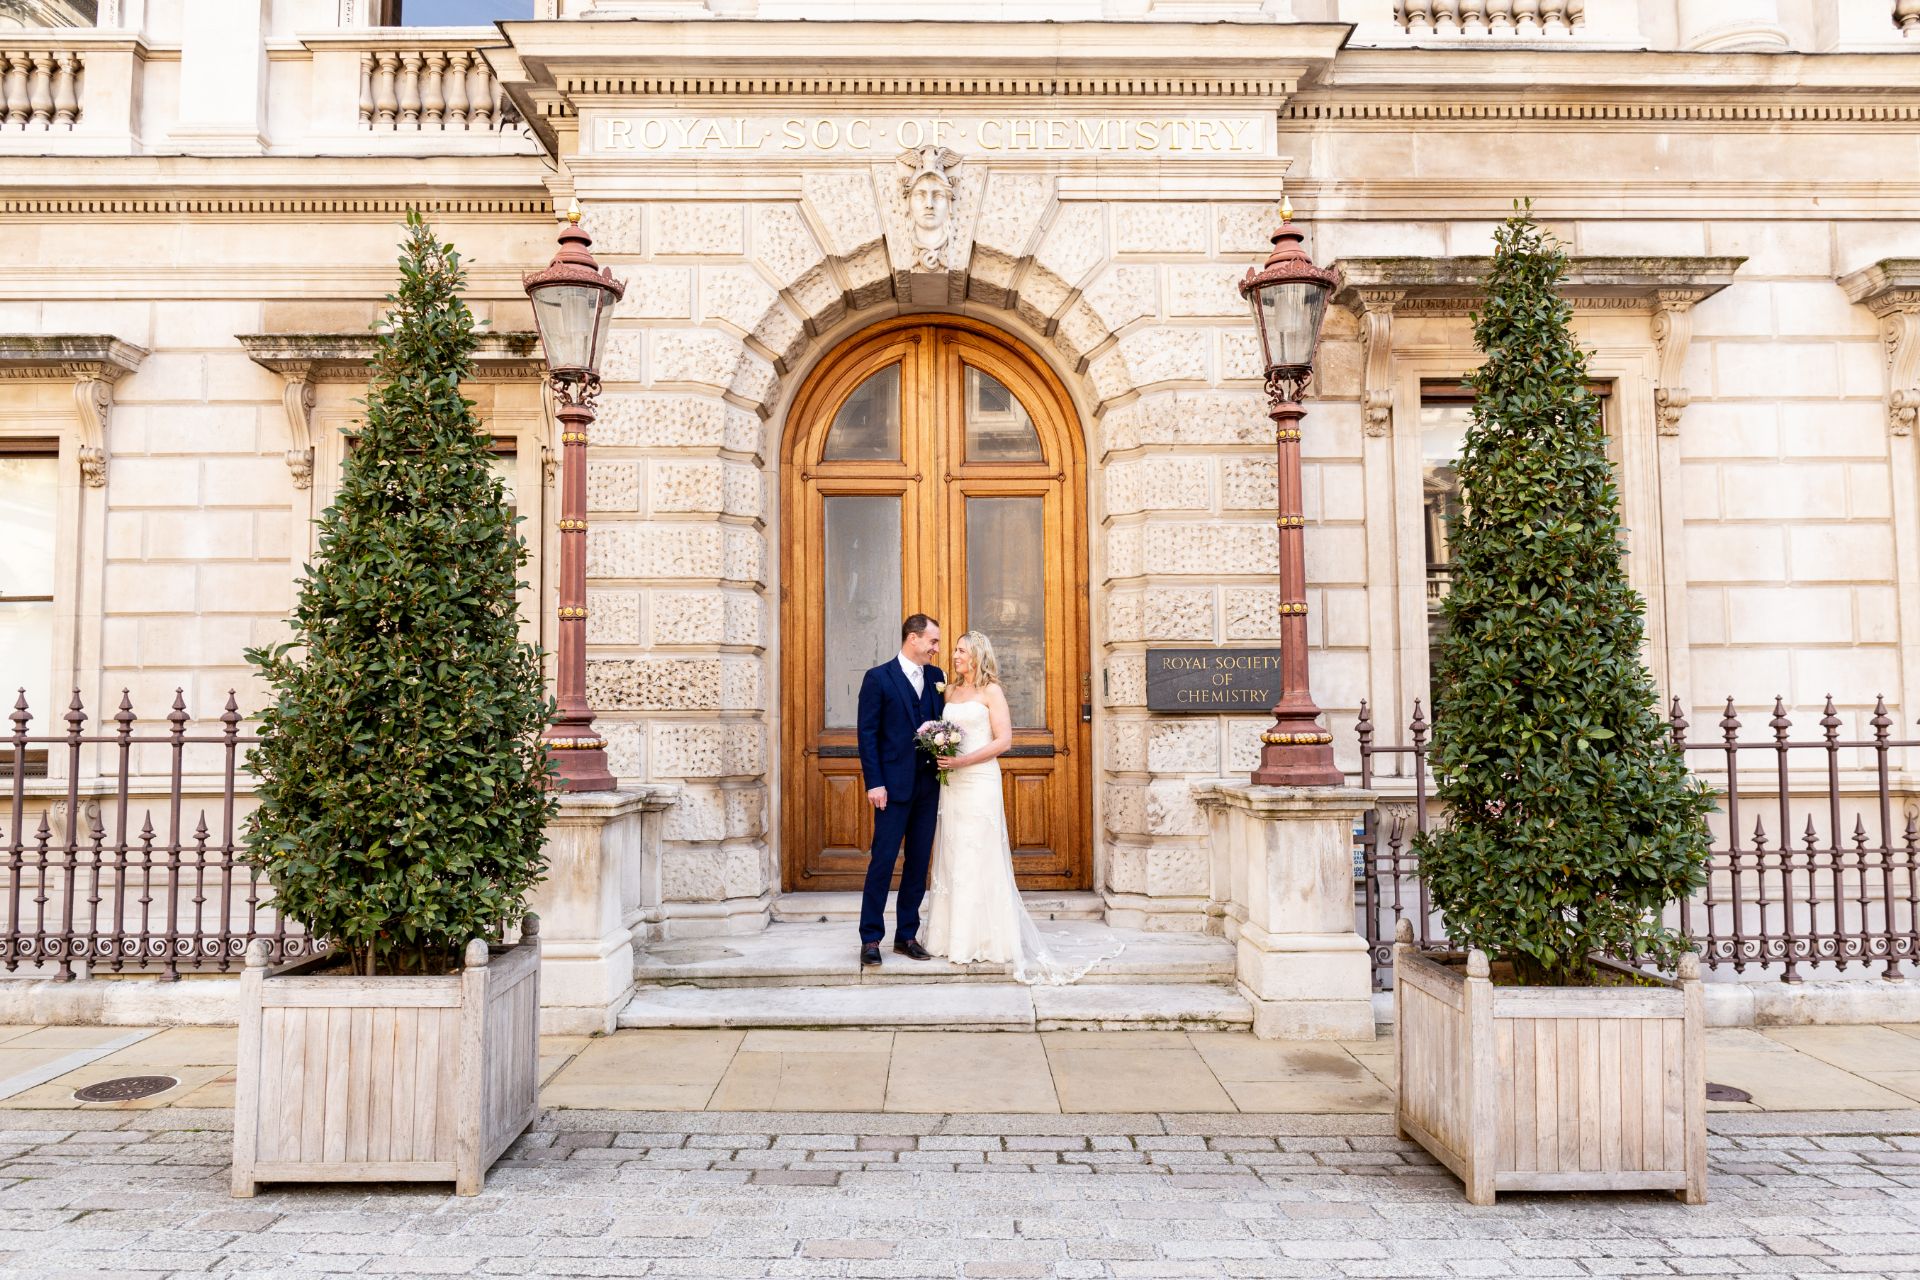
{"type": "Point", "coordinates": [1551, 1088]}
{"type": "Point", "coordinates": [387, 1079]}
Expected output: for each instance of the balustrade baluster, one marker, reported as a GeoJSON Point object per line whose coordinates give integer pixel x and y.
{"type": "Point", "coordinates": [409, 92]}
{"type": "Point", "coordinates": [1576, 16]}
{"type": "Point", "coordinates": [66, 90]}
{"type": "Point", "coordinates": [1500, 17]}
{"type": "Point", "coordinates": [456, 89]}
{"type": "Point", "coordinates": [40, 93]}
{"type": "Point", "coordinates": [433, 98]}
{"type": "Point", "coordinates": [13, 89]}
{"type": "Point", "coordinates": [1906, 16]}
{"type": "Point", "coordinates": [480, 112]}
{"type": "Point", "coordinates": [1526, 18]}
{"type": "Point", "coordinates": [1417, 17]}
{"type": "Point", "coordinates": [386, 101]}
{"type": "Point", "coordinates": [1446, 17]}
{"type": "Point", "coordinates": [1473, 17]}
{"type": "Point", "coordinates": [366, 90]}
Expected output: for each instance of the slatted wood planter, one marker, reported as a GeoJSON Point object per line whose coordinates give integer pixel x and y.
{"type": "Point", "coordinates": [387, 1079]}
{"type": "Point", "coordinates": [1551, 1088]}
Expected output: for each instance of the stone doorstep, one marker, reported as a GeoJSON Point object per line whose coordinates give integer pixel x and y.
{"type": "Point", "coordinates": [1004, 1006]}
{"type": "Point", "coordinates": [827, 955]}
{"type": "Point", "coordinates": [844, 907]}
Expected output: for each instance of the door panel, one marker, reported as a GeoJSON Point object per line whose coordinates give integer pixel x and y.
{"type": "Point", "coordinates": [933, 467]}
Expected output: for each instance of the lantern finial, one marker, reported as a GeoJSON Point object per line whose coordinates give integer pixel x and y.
{"type": "Point", "coordinates": [1286, 209]}
{"type": "Point", "coordinates": [573, 211]}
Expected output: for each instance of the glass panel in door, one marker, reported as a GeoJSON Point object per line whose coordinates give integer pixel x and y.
{"type": "Point", "coordinates": [999, 428]}
{"type": "Point", "coordinates": [1006, 596]}
{"type": "Point", "coordinates": [862, 606]}
{"type": "Point", "coordinates": [867, 428]}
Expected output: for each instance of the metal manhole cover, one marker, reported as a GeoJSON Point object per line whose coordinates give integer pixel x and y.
{"type": "Point", "coordinates": [124, 1089]}
{"type": "Point", "coordinates": [1727, 1093]}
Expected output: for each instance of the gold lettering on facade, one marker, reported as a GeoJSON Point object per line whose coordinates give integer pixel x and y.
{"type": "Point", "coordinates": [869, 135]}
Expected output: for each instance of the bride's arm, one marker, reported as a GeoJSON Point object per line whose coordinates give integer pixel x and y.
{"type": "Point", "coordinates": [999, 723]}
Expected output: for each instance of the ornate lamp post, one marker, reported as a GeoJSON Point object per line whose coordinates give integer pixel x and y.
{"type": "Point", "coordinates": [1289, 298]}
{"type": "Point", "coordinates": [572, 306]}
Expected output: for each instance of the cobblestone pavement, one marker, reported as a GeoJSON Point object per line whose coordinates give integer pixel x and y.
{"type": "Point", "coordinates": [782, 1194]}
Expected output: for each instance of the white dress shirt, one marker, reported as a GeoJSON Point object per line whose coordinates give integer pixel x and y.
{"type": "Point", "coordinates": [915, 676]}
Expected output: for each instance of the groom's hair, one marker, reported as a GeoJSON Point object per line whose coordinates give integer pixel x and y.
{"type": "Point", "coordinates": [915, 624]}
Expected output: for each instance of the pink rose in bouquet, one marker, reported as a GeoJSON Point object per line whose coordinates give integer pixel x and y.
{"type": "Point", "coordinates": [941, 740]}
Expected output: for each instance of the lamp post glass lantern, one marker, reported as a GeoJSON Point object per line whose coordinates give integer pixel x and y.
{"type": "Point", "coordinates": [1288, 296]}
{"type": "Point", "coordinates": [572, 306]}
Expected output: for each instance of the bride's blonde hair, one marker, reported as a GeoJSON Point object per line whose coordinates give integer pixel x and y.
{"type": "Point", "coordinates": [986, 668]}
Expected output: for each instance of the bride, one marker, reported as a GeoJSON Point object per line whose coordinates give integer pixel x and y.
{"type": "Point", "coordinates": [974, 911]}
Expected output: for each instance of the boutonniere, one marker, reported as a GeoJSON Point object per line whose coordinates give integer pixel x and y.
{"type": "Point", "coordinates": [939, 686]}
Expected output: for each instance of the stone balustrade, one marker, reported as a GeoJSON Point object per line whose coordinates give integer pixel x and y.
{"type": "Point", "coordinates": [1521, 19]}
{"type": "Point", "coordinates": [448, 90]}
{"type": "Point", "coordinates": [40, 89]}
{"type": "Point", "coordinates": [1906, 16]}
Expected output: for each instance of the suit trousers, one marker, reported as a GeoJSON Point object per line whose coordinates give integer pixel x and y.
{"type": "Point", "coordinates": [907, 820]}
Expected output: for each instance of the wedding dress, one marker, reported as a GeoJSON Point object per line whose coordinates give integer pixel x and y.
{"type": "Point", "coordinates": [974, 911]}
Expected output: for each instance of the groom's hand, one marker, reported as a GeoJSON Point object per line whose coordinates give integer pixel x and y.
{"type": "Point", "coordinates": [877, 797]}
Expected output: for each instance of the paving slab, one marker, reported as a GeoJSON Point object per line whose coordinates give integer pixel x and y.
{"type": "Point", "coordinates": [968, 1005]}
{"type": "Point", "coordinates": [1134, 1079]}
{"type": "Point", "coordinates": [819, 1079]}
{"type": "Point", "coordinates": [946, 1071]}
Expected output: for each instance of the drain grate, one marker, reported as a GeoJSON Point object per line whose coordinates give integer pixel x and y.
{"type": "Point", "coordinates": [124, 1089]}
{"type": "Point", "coordinates": [1727, 1093]}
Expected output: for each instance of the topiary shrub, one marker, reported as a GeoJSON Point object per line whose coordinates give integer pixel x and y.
{"type": "Point", "coordinates": [403, 788]}
{"type": "Point", "coordinates": [1572, 821]}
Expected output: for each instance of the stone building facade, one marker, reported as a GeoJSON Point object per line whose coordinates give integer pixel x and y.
{"type": "Point", "coordinates": [198, 213]}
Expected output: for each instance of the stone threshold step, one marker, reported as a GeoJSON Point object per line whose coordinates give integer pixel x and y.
{"type": "Point", "coordinates": [944, 1007]}
{"type": "Point", "coordinates": [835, 907]}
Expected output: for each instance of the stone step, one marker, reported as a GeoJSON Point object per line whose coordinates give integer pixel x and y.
{"type": "Point", "coordinates": [1004, 1006]}
{"type": "Point", "coordinates": [828, 908]}
{"type": "Point", "coordinates": [828, 955]}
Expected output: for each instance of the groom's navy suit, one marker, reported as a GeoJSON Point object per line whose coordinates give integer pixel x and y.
{"type": "Point", "coordinates": [890, 714]}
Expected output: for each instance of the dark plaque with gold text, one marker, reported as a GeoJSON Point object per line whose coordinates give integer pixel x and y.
{"type": "Point", "coordinates": [1212, 680]}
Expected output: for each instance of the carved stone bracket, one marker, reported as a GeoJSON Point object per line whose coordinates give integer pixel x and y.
{"type": "Point", "coordinates": [1375, 309]}
{"type": "Point", "coordinates": [94, 362]}
{"type": "Point", "coordinates": [1377, 289]}
{"type": "Point", "coordinates": [1890, 288]}
{"type": "Point", "coordinates": [298, 397]}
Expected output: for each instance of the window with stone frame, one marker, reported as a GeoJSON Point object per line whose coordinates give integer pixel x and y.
{"type": "Point", "coordinates": [29, 522]}
{"type": "Point", "coordinates": [450, 13]}
{"type": "Point", "coordinates": [44, 14]}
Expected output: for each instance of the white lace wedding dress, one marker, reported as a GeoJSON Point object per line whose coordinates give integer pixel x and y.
{"type": "Point", "coordinates": [974, 912]}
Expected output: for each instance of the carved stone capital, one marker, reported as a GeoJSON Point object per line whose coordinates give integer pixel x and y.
{"type": "Point", "coordinates": [1890, 288]}
{"type": "Point", "coordinates": [1375, 307]}
{"type": "Point", "coordinates": [94, 363]}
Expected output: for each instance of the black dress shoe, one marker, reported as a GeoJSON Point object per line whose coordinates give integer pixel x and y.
{"type": "Point", "coordinates": [912, 949]}
{"type": "Point", "coordinates": [869, 953]}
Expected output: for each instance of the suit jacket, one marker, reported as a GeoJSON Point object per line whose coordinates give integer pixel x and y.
{"type": "Point", "coordinates": [890, 715]}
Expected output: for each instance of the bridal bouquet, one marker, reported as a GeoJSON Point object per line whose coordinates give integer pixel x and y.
{"type": "Point", "coordinates": [941, 740]}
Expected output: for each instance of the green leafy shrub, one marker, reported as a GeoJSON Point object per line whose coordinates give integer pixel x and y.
{"type": "Point", "coordinates": [403, 789]}
{"type": "Point", "coordinates": [1572, 819]}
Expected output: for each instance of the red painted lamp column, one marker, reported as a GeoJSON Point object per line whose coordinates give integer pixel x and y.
{"type": "Point", "coordinates": [572, 305]}
{"type": "Point", "coordinates": [1289, 299]}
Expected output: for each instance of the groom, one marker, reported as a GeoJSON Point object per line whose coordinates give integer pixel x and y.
{"type": "Point", "coordinates": [903, 784]}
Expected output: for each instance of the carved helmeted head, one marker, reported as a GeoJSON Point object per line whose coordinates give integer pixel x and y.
{"type": "Point", "coordinates": [928, 187]}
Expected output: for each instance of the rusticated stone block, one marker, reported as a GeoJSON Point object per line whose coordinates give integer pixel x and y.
{"type": "Point", "coordinates": [747, 870]}
{"type": "Point", "coordinates": [743, 614]}
{"type": "Point", "coordinates": [623, 360]}
{"type": "Point", "coordinates": [736, 295]}
{"type": "Point", "coordinates": [782, 333]}
{"type": "Point", "coordinates": [655, 293]}
{"type": "Point", "coordinates": [740, 684]}
{"type": "Point", "coordinates": [746, 556]}
{"type": "Point", "coordinates": [1203, 417]}
{"type": "Point", "coordinates": [1079, 332]}
{"type": "Point", "coordinates": [654, 551]}
{"type": "Point", "coordinates": [1249, 484]}
{"type": "Point", "coordinates": [1074, 244]}
{"type": "Point", "coordinates": [687, 617]}
{"type": "Point", "coordinates": [698, 815]}
{"type": "Point", "coordinates": [1179, 613]}
{"type": "Point", "coordinates": [1124, 552]}
{"type": "Point", "coordinates": [1123, 616]}
{"type": "Point", "coordinates": [1244, 229]}
{"type": "Point", "coordinates": [1110, 374]}
{"type": "Point", "coordinates": [1173, 484]}
{"type": "Point", "coordinates": [613, 617]}
{"type": "Point", "coordinates": [1160, 228]}
{"type": "Point", "coordinates": [1126, 809]}
{"type": "Point", "coordinates": [615, 228]}
{"type": "Point", "coordinates": [626, 746]}
{"type": "Point", "coordinates": [1243, 744]}
{"type": "Point", "coordinates": [613, 486]}
{"type": "Point", "coordinates": [743, 431]}
{"type": "Point", "coordinates": [1240, 356]}
{"type": "Point", "coordinates": [684, 486]}
{"type": "Point", "coordinates": [819, 297]}
{"type": "Point", "coordinates": [1183, 746]}
{"type": "Point", "coordinates": [1177, 870]}
{"type": "Point", "coordinates": [1127, 745]}
{"type": "Point", "coordinates": [654, 684]}
{"type": "Point", "coordinates": [742, 489]}
{"type": "Point", "coordinates": [1120, 295]}
{"type": "Point", "coordinates": [842, 202]}
{"type": "Point", "coordinates": [1252, 613]}
{"type": "Point", "coordinates": [1172, 810]}
{"type": "Point", "coordinates": [713, 750]}
{"type": "Point", "coordinates": [746, 810]}
{"type": "Point", "coordinates": [1211, 548]}
{"type": "Point", "coordinates": [1010, 213]}
{"type": "Point", "coordinates": [704, 229]}
{"type": "Point", "coordinates": [1127, 680]}
{"type": "Point", "coordinates": [754, 378]}
{"type": "Point", "coordinates": [691, 875]}
{"type": "Point", "coordinates": [1167, 355]}
{"type": "Point", "coordinates": [1042, 295]}
{"type": "Point", "coordinates": [1119, 427]}
{"type": "Point", "coordinates": [662, 421]}
{"type": "Point", "coordinates": [1205, 291]}
{"type": "Point", "coordinates": [1126, 868]}
{"type": "Point", "coordinates": [697, 355]}
{"type": "Point", "coordinates": [783, 244]}
{"type": "Point", "coordinates": [1123, 488]}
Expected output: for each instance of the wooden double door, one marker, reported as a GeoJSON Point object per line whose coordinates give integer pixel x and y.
{"type": "Point", "coordinates": [934, 467]}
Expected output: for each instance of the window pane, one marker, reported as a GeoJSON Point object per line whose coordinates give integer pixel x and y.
{"type": "Point", "coordinates": [1443, 430]}
{"type": "Point", "coordinates": [507, 467]}
{"type": "Point", "coordinates": [867, 428]}
{"type": "Point", "coordinates": [998, 428]}
{"type": "Point", "coordinates": [15, 14]}
{"type": "Point", "coordinates": [29, 494]}
{"type": "Point", "coordinates": [863, 597]}
{"type": "Point", "coordinates": [459, 13]}
{"type": "Point", "coordinates": [1006, 597]}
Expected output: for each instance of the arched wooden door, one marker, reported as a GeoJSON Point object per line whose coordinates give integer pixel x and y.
{"type": "Point", "coordinates": [934, 467]}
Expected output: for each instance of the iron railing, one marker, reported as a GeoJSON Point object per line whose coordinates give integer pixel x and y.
{"type": "Point", "coordinates": [99, 892]}
{"type": "Point", "coordinates": [1836, 882]}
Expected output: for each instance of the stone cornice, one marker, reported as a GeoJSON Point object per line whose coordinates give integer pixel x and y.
{"type": "Point", "coordinates": [1749, 109]}
{"type": "Point", "coordinates": [1887, 285]}
{"type": "Point", "coordinates": [344, 357]}
{"type": "Point", "coordinates": [1890, 288]}
{"type": "Point", "coordinates": [93, 362]}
